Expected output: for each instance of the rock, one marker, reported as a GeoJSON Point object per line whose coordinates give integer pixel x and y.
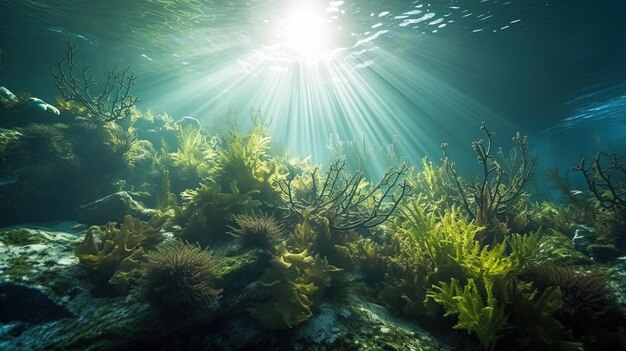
{"type": "Point", "coordinates": [24, 304]}
{"type": "Point", "coordinates": [112, 208]}
{"type": "Point", "coordinates": [6, 94]}
{"type": "Point", "coordinates": [583, 237]}
{"type": "Point", "coordinates": [40, 105]}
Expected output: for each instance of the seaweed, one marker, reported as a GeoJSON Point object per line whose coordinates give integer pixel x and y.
{"type": "Point", "coordinates": [111, 251]}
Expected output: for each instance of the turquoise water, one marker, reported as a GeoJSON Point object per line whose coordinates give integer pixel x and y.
{"type": "Point", "coordinates": [424, 72]}
{"type": "Point", "coordinates": [312, 175]}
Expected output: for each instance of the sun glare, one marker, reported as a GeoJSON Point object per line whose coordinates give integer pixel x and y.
{"type": "Point", "coordinates": [305, 34]}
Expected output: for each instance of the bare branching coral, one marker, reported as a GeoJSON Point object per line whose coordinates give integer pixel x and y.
{"type": "Point", "coordinates": [348, 202]}
{"type": "Point", "coordinates": [179, 279]}
{"type": "Point", "coordinates": [602, 177]}
{"type": "Point", "coordinates": [108, 102]}
{"type": "Point", "coordinates": [502, 180]}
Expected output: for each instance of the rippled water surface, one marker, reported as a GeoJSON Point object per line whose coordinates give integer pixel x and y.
{"type": "Point", "coordinates": [415, 70]}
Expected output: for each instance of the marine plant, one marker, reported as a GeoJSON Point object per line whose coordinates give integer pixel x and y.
{"type": "Point", "coordinates": [468, 279]}
{"type": "Point", "coordinates": [107, 102]}
{"type": "Point", "coordinates": [348, 202]}
{"type": "Point", "coordinates": [179, 279]}
{"type": "Point", "coordinates": [260, 230]}
{"type": "Point", "coordinates": [195, 154]}
{"type": "Point", "coordinates": [244, 158]}
{"type": "Point", "coordinates": [7, 138]}
{"type": "Point", "coordinates": [297, 279]}
{"type": "Point", "coordinates": [114, 251]}
{"type": "Point", "coordinates": [207, 211]}
{"type": "Point", "coordinates": [354, 150]}
{"type": "Point", "coordinates": [500, 184]}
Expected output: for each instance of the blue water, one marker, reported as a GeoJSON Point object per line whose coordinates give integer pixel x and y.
{"type": "Point", "coordinates": [420, 72]}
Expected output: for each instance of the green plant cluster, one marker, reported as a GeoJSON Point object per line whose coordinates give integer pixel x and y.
{"type": "Point", "coordinates": [297, 279]}
{"type": "Point", "coordinates": [114, 252]}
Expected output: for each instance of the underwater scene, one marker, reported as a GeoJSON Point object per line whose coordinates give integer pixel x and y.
{"type": "Point", "coordinates": [312, 175]}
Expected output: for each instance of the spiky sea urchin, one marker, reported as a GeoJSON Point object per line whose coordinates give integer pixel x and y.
{"type": "Point", "coordinates": [179, 279]}
{"type": "Point", "coordinates": [587, 302]}
{"type": "Point", "coordinates": [257, 230]}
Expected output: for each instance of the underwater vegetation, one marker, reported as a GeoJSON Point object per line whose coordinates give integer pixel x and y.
{"type": "Point", "coordinates": [198, 228]}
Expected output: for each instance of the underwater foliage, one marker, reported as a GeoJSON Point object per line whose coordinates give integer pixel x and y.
{"type": "Point", "coordinates": [244, 158]}
{"type": "Point", "coordinates": [468, 279]}
{"type": "Point", "coordinates": [483, 316]}
{"type": "Point", "coordinates": [499, 186]}
{"type": "Point", "coordinates": [195, 154]}
{"type": "Point", "coordinates": [348, 202]}
{"type": "Point", "coordinates": [7, 138]}
{"type": "Point", "coordinates": [207, 212]}
{"type": "Point", "coordinates": [297, 279]}
{"type": "Point", "coordinates": [106, 102]}
{"type": "Point", "coordinates": [179, 278]}
{"type": "Point", "coordinates": [113, 251]}
{"type": "Point", "coordinates": [260, 230]}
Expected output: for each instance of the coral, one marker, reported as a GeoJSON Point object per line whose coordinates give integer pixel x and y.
{"type": "Point", "coordinates": [257, 230]}
{"type": "Point", "coordinates": [179, 279]}
{"type": "Point", "coordinates": [108, 248]}
{"type": "Point", "coordinates": [500, 185]}
{"type": "Point", "coordinates": [603, 179]}
{"type": "Point", "coordinates": [113, 101]}
{"type": "Point", "coordinates": [348, 202]}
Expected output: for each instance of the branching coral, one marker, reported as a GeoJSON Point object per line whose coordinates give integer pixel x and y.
{"type": "Point", "coordinates": [501, 183]}
{"type": "Point", "coordinates": [112, 102]}
{"type": "Point", "coordinates": [179, 279]}
{"type": "Point", "coordinates": [347, 202]}
{"type": "Point", "coordinates": [602, 178]}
